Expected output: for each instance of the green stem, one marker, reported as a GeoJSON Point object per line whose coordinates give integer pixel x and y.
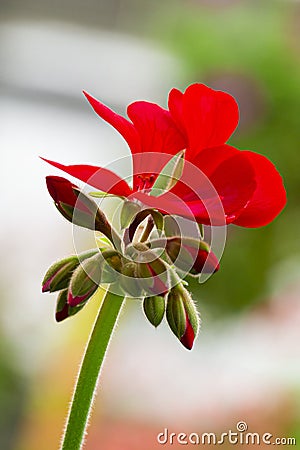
{"type": "Point", "coordinates": [89, 372]}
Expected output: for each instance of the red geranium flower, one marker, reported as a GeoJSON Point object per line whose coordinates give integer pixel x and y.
{"type": "Point", "coordinates": [199, 120]}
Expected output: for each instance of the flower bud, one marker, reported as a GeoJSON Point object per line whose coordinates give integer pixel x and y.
{"type": "Point", "coordinates": [191, 255]}
{"type": "Point", "coordinates": [129, 281]}
{"type": "Point", "coordinates": [154, 276]}
{"type": "Point", "coordinates": [63, 309]}
{"type": "Point", "coordinates": [85, 280]}
{"type": "Point", "coordinates": [154, 309]}
{"type": "Point", "coordinates": [111, 266]}
{"type": "Point", "coordinates": [77, 207]}
{"type": "Point", "coordinates": [59, 274]}
{"type": "Point", "coordinates": [182, 316]}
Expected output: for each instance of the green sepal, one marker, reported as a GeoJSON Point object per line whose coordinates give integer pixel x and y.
{"type": "Point", "coordinates": [101, 194]}
{"type": "Point", "coordinates": [175, 313]}
{"type": "Point", "coordinates": [104, 243]}
{"type": "Point", "coordinates": [190, 309]}
{"type": "Point", "coordinates": [169, 175]}
{"type": "Point", "coordinates": [128, 212]}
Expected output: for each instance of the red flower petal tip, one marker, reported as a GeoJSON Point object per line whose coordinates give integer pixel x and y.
{"type": "Point", "coordinates": [188, 338]}
{"type": "Point", "coordinates": [76, 300]}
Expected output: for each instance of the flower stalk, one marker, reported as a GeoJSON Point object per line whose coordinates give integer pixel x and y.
{"type": "Point", "coordinates": [89, 372]}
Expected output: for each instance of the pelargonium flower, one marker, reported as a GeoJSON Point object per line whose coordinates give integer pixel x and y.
{"type": "Point", "coordinates": [181, 166]}
{"type": "Point", "coordinates": [200, 120]}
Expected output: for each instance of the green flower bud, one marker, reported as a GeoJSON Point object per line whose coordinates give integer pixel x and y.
{"type": "Point", "coordinates": [85, 280]}
{"type": "Point", "coordinates": [182, 315]}
{"type": "Point", "coordinates": [154, 309]}
{"type": "Point", "coordinates": [129, 281]}
{"type": "Point", "coordinates": [175, 314]}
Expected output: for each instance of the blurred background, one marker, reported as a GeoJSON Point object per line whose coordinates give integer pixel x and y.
{"type": "Point", "coordinates": [245, 364]}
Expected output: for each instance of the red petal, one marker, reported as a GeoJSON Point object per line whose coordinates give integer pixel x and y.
{"type": "Point", "coordinates": [269, 197]}
{"type": "Point", "coordinates": [189, 335]}
{"type": "Point", "coordinates": [207, 161]}
{"type": "Point", "coordinates": [234, 180]}
{"type": "Point", "coordinates": [210, 158]}
{"type": "Point", "coordinates": [166, 203]}
{"type": "Point", "coordinates": [175, 103]}
{"type": "Point", "coordinates": [122, 125]}
{"type": "Point", "coordinates": [98, 177]}
{"type": "Point", "coordinates": [209, 117]}
{"type": "Point", "coordinates": [229, 172]}
{"type": "Point", "coordinates": [157, 130]}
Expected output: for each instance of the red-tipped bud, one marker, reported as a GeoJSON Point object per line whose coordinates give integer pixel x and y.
{"type": "Point", "coordinates": [182, 316]}
{"type": "Point", "coordinates": [152, 272]}
{"type": "Point", "coordinates": [85, 280]}
{"type": "Point", "coordinates": [63, 309]}
{"type": "Point", "coordinates": [75, 206]}
{"type": "Point", "coordinates": [191, 255]}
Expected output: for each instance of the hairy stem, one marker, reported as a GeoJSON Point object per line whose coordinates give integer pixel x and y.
{"type": "Point", "coordinates": [89, 372]}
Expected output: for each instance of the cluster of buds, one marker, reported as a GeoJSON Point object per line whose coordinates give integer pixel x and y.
{"type": "Point", "coordinates": [77, 278]}
{"type": "Point", "coordinates": [132, 263]}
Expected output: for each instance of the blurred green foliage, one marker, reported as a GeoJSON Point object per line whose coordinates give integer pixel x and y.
{"type": "Point", "coordinates": [253, 45]}
{"type": "Point", "coordinates": [12, 397]}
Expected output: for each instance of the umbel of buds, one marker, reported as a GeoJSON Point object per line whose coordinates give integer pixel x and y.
{"type": "Point", "coordinates": [134, 265]}
{"type": "Point", "coordinates": [77, 278]}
